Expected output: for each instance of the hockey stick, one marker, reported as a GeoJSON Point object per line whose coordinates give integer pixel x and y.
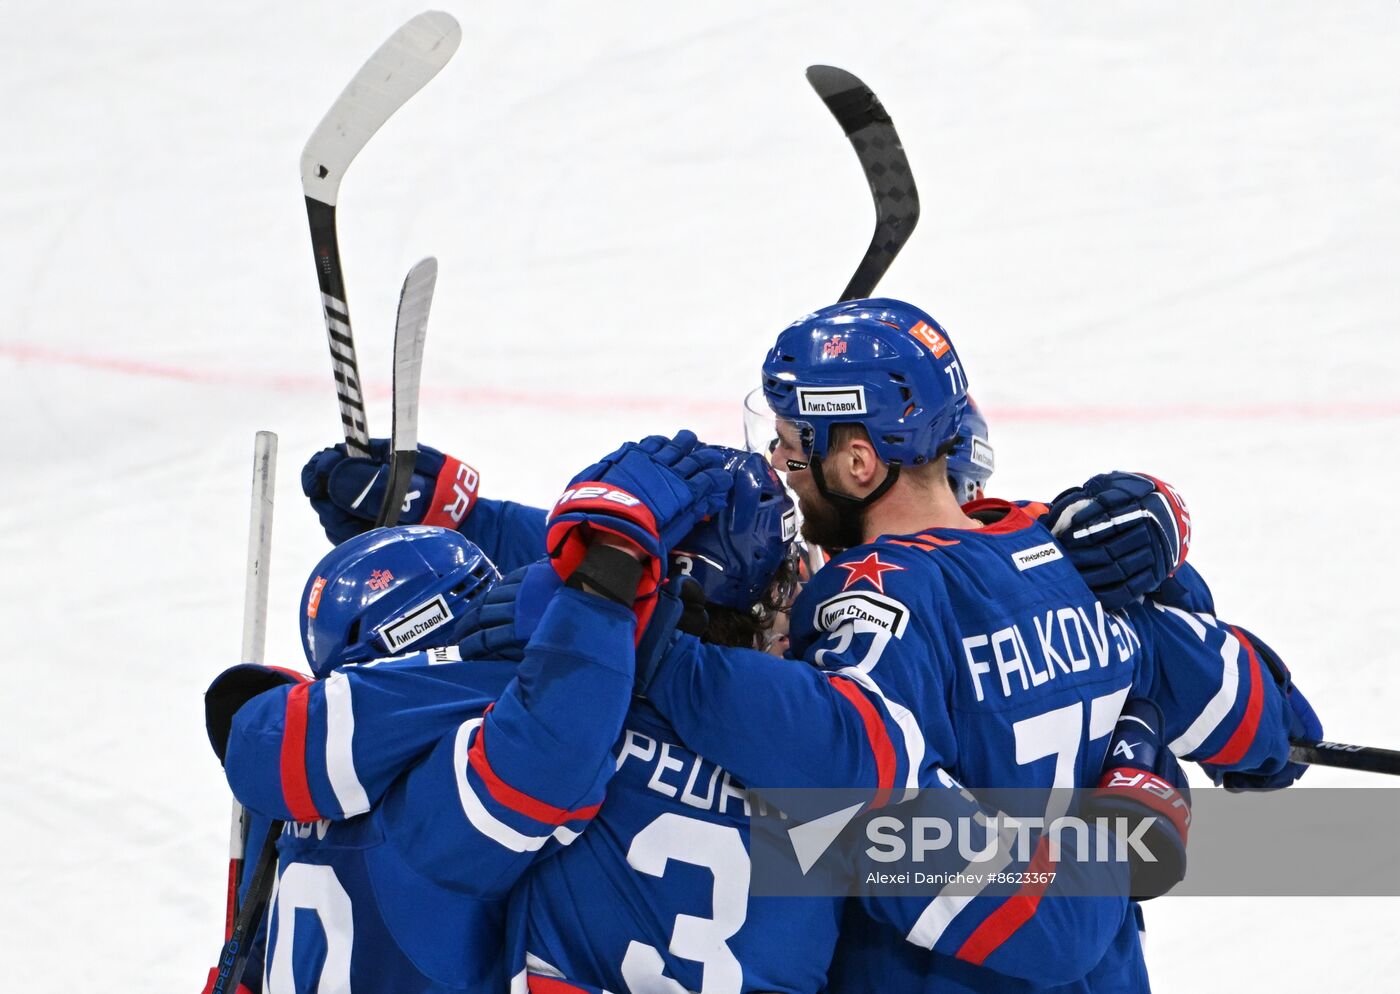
{"type": "Point", "coordinates": [873, 136]}
{"type": "Point", "coordinates": [254, 643]}
{"type": "Point", "coordinates": [414, 54]}
{"type": "Point", "coordinates": [1346, 757]}
{"type": "Point", "coordinates": [410, 331]}
{"type": "Point", "coordinates": [233, 958]}
{"type": "Point", "coordinates": [254, 623]}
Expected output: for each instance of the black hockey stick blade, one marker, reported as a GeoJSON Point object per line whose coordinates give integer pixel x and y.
{"type": "Point", "coordinates": [233, 958]}
{"type": "Point", "coordinates": [882, 159]}
{"type": "Point", "coordinates": [1347, 757]}
{"type": "Point", "coordinates": [412, 55]}
{"type": "Point", "coordinates": [410, 333]}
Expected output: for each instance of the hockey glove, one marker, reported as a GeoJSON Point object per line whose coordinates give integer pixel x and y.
{"type": "Point", "coordinates": [1303, 724]}
{"type": "Point", "coordinates": [1126, 533]}
{"type": "Point", "coordinates": [232, 689]}
{"type": "Point", "coordinates": [347, 491]}
{"type": "Point", "coordinates": [1142, 780]}
{"type": "Point", "coordinates": [649, 494]}
{"type": "Point", "coordinates": [499, 624]}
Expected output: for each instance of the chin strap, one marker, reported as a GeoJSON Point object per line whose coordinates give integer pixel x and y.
{"type": "Point", "coordinates": [846, 502]}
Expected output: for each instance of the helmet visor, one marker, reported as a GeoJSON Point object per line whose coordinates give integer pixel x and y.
{"type": "Point", "coordinates": [766, 433]}
{"type": "Point", "coordinates": [760, 424]}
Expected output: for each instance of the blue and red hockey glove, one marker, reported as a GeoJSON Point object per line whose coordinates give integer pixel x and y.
{"type": "Point", "coordinates": [1142, 779]}
{"type": "Point", "coordinates": [648, 495]}
{"type": "Point", "coordinates": [346, 491]}
{"type": "Point", "coordinates": [1303, 725]}
{"type": "Point", "coordinates": [500, 624]}
{"type": "Point", "coordinates": [1126, 533]}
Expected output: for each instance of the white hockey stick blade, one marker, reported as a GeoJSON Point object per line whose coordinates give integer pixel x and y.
{"type": "Point", "coordinates": [259, 548]}
{"type": "Point", "coordinates": [414, 54]}
{"type": "Point", "coordinates": [410, 334]}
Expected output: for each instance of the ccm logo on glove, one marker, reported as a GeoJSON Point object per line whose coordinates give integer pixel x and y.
{"type": "Point", "coordinates": [597, 493]}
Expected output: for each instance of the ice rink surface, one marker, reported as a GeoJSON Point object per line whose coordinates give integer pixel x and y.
{"type": "Point", "coordinates": [1163, 237]}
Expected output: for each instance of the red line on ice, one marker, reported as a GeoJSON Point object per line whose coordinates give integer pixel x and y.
{"type": "Point", "coordinates": [496, 397]}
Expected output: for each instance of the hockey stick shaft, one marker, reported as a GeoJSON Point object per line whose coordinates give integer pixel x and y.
{"type": "Point", "coordinates": [1369, 759]}
{"type": "Point", "coordinates": [412, 55]}
{"type": "Point", "coordinates": [254, 626]}
{"type": "Point", "coordinates": [410, 334]}
{"type": "Point", "coordinates": [344, 365]}
{"type": "Point", "coordinates": [233, 959]}
{"type": "Point", "coordinates": [873, 136]}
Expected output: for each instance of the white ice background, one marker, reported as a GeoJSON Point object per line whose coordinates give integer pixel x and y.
{"type": "Point", "coordinates": [1163, 236]}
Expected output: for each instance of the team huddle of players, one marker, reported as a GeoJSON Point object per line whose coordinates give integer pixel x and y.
{"type": "Point", "coordinates": [549, 785]}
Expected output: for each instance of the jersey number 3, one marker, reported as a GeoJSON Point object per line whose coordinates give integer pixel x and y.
{"type": "Point", "coordinates": [719, 849]}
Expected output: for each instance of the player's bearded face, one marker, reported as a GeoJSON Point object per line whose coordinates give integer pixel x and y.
{"type": "Point", "coordinates": [823, 523]}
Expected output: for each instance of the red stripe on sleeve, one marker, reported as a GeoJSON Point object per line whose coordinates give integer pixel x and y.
{"type": "Point", "coordinates": [505, 794]}
{"type": "Point", "coordinates": [1233, 750]}
{"type": "Point", "coordinates": [295, 789]}
{"type": "Point", "coordinates": [877, 735]}
{"type": "Point", "coordinates": [1014, 912]}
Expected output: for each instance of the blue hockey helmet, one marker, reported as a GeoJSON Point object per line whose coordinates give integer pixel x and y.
{"type": "Point", "coordinates": [880, 363]}
{"type": "Point", "coordinates": [388, 591]}
{"type": "Point", "coordinates": [735, 554]}
{"type": "Point", "coordinates": [972, 461]}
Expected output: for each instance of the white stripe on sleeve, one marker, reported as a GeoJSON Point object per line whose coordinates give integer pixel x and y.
{"type": "Point", "coordinates": [908, 725]}
{"type": "Point", "coordinates": [482, 820]}
{"type": "Point", "coordinates": [1219, 706]}
{"type": "Point", "coordinates": [340, 759]}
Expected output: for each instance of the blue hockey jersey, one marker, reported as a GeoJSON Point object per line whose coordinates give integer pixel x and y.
{"type": "Point", "coordinates": [978, 655]}
{"type": "Point", "coordinates": [1218, 707]}
{"type": "Point", "coordinates": [1221, 705]}
{"type": "Point", "coordinates": [381, 765]}
{"type": "Point", "coordinates": [654, 897]}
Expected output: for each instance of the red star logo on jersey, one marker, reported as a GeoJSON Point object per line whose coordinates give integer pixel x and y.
{"type": "Point", "coordinates": [870, 568]}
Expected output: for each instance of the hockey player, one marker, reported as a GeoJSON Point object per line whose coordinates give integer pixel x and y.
{"type": "Point", "coordinates": [665, 864]}
{"type": "Point", "coordinates": [343, 467]}
{"type": "Point", "coordinates": [530, 743]}
{"type": "Point", "coordinates": [699, 821]}
{"type": "Point", "coordinates": [947, 641]}
{"type": "Point", "coordinates": [1226, 700]}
